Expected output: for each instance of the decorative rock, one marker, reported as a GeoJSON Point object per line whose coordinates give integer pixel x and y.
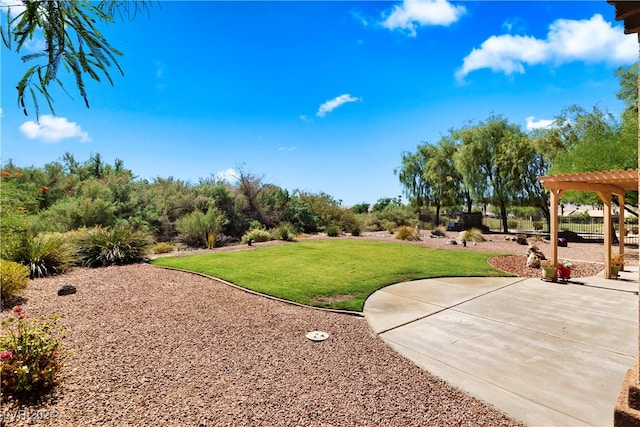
{"type": "Point", "coordinates": [534, 256]}
{"type": "Point", "coordinates": [66, 290]}
{"type": "Point", "coordinates": [533, 261]}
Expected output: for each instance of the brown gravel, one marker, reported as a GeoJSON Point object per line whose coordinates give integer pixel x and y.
{"type": "Point", "coordinates": [157, 347]}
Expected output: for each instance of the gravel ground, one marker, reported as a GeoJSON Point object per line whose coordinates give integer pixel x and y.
{"type": "Point", "coordinates": [158, 347]}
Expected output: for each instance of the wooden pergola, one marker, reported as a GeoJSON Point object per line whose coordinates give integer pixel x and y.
{"type": "Point", "coordinates": [605, 184]}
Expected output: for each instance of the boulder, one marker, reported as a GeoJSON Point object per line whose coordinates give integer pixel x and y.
{"type": "Point", "coordinates": [534, 256]}
{"type": "Point", "coordinates": [66, 290]}
{"type": "Point", "coordinates": [533, 261]}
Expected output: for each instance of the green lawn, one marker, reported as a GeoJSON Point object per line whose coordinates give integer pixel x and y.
{"type": "Point", "coordinates": [338, 274]}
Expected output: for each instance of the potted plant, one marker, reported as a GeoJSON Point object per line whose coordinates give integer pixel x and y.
{"type": "Point", "coordinates": [549, 271]}
{"type": "Point", "coordinates": [617, 264]}
{"type": "Point", "coordinates": [564, 270]}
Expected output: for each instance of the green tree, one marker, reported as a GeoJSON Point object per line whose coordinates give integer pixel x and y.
{"type": "Point", "coordinates": [412, 177]}
{"type": "Point", "coordinates": [489, 164]}
{"type": "Point", "coordinates": [73, 42]}
{"type": "Point", "coordinates": [360, 208]}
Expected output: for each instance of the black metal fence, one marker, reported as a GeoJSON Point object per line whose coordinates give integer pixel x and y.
{"type": "Point", "coordinates": [585, 228]}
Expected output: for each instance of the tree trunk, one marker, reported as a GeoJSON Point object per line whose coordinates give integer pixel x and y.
{"type": "Point", "coordinates": [503, 215]}
{"type": "Point", "coordinates": [437, 215]}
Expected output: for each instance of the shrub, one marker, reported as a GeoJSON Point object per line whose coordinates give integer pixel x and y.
{"type": "Point", "coordinates": [118, 245]}
{"type": "Point", "coordinates": [538, 225]}
{"type": "Point", "coordinates": [521, 239]}
{"type": "Point", "coordinates": [199, 229]}
{"type": "Point", "coordinates": [45, 254]}
{"type": "Point", "coordinates": [29, 353]}
{"type": "Point", "coordinates": [472, 235]}
{"type": "Point", "coordinates": [256, 235]}
{"type": "Point", "coordinates": [356, 230]}
{"type": "Point", "coordinates": [333, 231]}
{"type": "Point", "coordinates": [350, 222]}
{"type": "Point", "coordinates": [14, 277]}
{"type": "Point", "coordinates": [162, 248]}
{"type": "Point", "coordinates": [407, 233]}
{"type": "Point", "coordinates": [512, 224]}
{"type": "Point", "coordinates": [284, 232]}
{"type": "Point", "coordinates": [393, 216]}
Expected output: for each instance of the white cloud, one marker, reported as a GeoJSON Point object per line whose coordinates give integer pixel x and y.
{"type": "Point", "coordinates": [35, 45]}
{"type": "Point", "coordinates": [415, 13]}
{"type": "Point", "coordinates": [334, 103]}
{"type": "Point", "coordinates": [290, 148]}
{"type": "Point", "coordinates": [53, 129]}
{"type": "Point", "coordinates": [588, 40]}
{"type": "Point", "coordinates": [230, 175]}
{"type": "Point", "coordinates": [16, 7]}
{"type": "Point", "coordinates": [532, 123]}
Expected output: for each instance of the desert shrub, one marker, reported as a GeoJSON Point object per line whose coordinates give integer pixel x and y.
{"type": "Point", "coordinates": [29, 353]}
{"type": "Point", "coordinates": [45, 254]}
{"type": "Point", "coordinates": [284, 232]}
{"type": "Point", "coordinates": [333, 230]}
{"type": "Point", "coordinates": [361, 208]}
{"type": "Point", "coordinates": [407, 233]}
{"type": "Point", "coordinates": [256, 235]}
{"type": "Point", "coordinates": [14, 277]}
{"type": "Point", "coordinates": [299, 214]}
{"type": "Point", "coordinates": [118, 245]}
{"type": "Point", "coordinates": [439, 231]}
{"type": "Point", "coordinates": [162, 248]}
{"type": "Point", "coordinates": [199, 229]}
{"type": "Point", "coordinates": [538, 225]}
{"type": "Point", "coordinates": [537, 237]}
{"type": "Point", "coordinates": [521, 239]}
{"type": "Point", "coordinates": [373, 223]}
{"type": "Point", "coordinates": [512, 224]}
{"type": "Point", "coordinates": [350, 222]}
{"type": "Point", "coordinates": [472, 235]}
{"type": "Point", "coordinates": [392, 217]}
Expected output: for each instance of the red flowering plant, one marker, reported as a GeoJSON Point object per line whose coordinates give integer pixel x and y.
{"type": "Point", "coordinates": [29, 353]}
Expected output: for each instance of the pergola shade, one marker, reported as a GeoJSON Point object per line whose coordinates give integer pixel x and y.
{"type": "Point", "coordinates": [616, 181]}
{"type": "Point", "coordinates": [605, 184]}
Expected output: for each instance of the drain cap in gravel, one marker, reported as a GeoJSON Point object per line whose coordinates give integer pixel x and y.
{"type": "Point", "coordinates": [317, 335]}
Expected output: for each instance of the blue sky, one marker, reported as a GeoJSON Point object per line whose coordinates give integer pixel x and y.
{"type": "Point", "coordinates": [319, 96]}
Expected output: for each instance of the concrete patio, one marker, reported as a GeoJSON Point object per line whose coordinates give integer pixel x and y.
{"type": "Point", "coordinates": [547, 354]}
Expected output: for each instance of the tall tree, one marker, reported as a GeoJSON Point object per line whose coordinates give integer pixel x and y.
{"type": "Point", "coordinates": [442, 175]}
{"type": "Point", "coordinates": [489, 163]}
{"type": "Point", "coordinates": [411, 175]}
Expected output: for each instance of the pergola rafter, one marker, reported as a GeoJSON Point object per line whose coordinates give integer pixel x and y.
{"type": "Point", "coordinates": [605, 184]}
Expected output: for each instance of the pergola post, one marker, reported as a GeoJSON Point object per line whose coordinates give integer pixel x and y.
{"type": "Point", "coordinates": [606, 200]}
{"type": "Point", "coordinates": [553, 232]}
{"type": "Point", "coordinates": [621, 225]}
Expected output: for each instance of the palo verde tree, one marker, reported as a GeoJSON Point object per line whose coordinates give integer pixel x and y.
{"type": "Point", "coordinates": [488, 160]}
{"type": "Point", "coordinates": [72, 42]}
